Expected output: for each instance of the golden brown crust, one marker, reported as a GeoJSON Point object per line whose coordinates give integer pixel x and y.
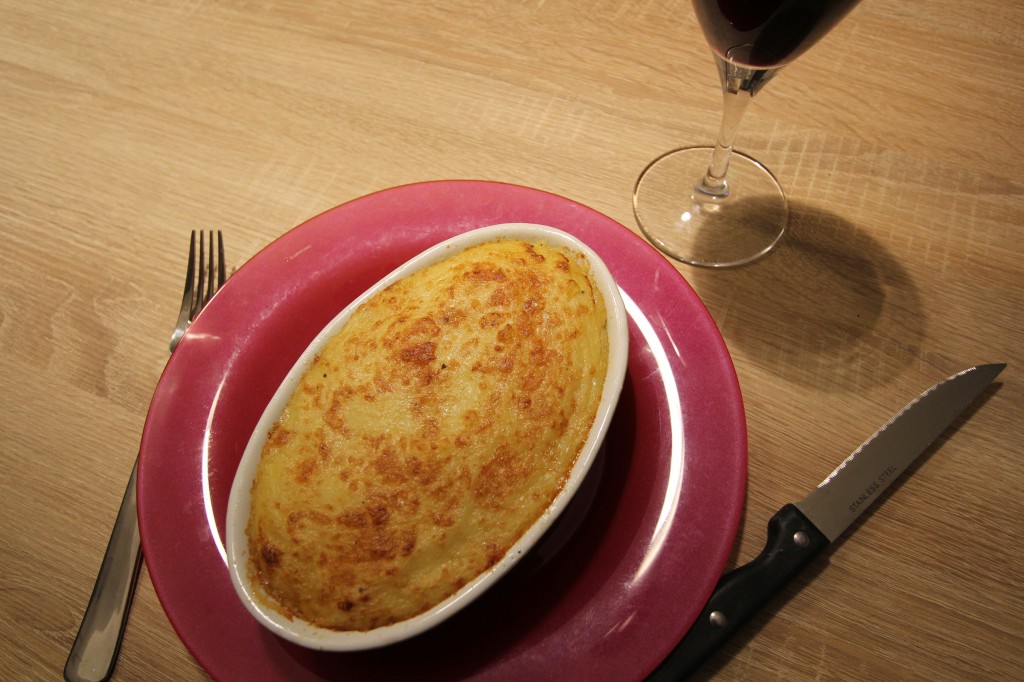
{"type": "Point", "coordinates": [428, 435]}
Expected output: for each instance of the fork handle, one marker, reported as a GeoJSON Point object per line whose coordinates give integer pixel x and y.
{"type": "Point", "coordinates": [95, 650]}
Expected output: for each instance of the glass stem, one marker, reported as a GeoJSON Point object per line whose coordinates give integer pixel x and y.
{"type": "Point", "coordinates": [739, 85]}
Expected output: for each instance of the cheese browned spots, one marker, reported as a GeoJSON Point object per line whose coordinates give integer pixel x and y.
{"type": "Point", "coordinates": [428, 435]}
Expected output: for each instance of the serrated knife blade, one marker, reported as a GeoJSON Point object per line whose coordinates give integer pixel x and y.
{"type": "Point", "coordinates": [800, 531]}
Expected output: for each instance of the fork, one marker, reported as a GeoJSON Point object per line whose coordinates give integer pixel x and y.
{"type": "Point", "coordinates": [98, 642]}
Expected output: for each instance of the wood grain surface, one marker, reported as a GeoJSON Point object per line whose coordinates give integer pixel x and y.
{"type": "Point", "coordinates": [899, 138]}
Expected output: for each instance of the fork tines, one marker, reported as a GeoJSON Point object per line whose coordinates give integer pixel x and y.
{"type": "Point", "coordinates": [206, 284]}
{"type": "Point", "coordinates": [203, 277]}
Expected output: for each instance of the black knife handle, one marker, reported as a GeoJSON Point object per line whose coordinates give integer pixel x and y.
{"type": "Point", "coordinates": [792, 542]}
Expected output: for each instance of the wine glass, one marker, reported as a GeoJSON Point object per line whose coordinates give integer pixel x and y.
{"type": "Point", "coordinates": [713, 206]}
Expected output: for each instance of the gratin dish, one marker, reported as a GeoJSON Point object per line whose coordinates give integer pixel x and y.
{"type": "Point", "coordinates": [311, 636]}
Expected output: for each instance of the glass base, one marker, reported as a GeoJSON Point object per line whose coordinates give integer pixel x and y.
{"type": "Point", "coordinates": [714, 231]}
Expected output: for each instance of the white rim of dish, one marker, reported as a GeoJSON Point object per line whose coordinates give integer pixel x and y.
{"type": "Point", "coordinates": [308, 635]}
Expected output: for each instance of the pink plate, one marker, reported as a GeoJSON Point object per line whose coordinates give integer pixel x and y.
{"type": "Point", "coordinates": [614, 584]}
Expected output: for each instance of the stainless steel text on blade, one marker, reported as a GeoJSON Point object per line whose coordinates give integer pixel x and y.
{"type": "Point", "coordinates": [872, 467]}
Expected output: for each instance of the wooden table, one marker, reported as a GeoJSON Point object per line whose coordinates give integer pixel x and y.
{"type": "Point", "coordinates": [899, 139]}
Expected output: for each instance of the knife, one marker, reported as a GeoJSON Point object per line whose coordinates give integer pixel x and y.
{"type": "Point", "coordinates": [800, 531]}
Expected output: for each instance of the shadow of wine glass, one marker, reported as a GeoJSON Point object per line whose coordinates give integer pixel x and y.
{"type": "Point", "coordinates": [829, 308]}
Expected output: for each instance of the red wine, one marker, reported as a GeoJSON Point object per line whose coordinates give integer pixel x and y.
{"type": "Point", "coordinates": [767, 33]}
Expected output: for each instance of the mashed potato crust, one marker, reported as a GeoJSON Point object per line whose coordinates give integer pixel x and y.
{"type": "Point", "coordinates": [428, 435]}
